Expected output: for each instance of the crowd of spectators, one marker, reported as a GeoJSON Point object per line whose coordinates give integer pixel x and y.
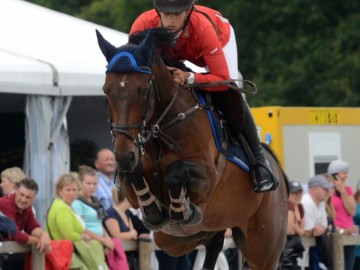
{"type": "Point", "coordinates": [328, 206]}
{"type": "Point", "coordinates": [78, 213]}
{"type": "Point", "coordinates": [86, 208]}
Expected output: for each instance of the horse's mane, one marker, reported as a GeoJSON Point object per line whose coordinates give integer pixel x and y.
{"type": "Point", "coordinates": [164, 41]}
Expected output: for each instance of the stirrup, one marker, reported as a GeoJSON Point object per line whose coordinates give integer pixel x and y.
{"type": "Point", "coordinates": [264, 185]}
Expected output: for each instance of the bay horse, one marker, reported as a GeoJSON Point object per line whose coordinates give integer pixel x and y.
{"type": "Point", "coordinates": [170, 167]}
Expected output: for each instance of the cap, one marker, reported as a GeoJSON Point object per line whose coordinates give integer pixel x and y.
{"type": "Point", "coordinates": [295, 186]}
{"type": "Point", "coordinates": [169, 6]}
{"type": "Point", "coordinates": [320, 181]}
{"type": "Point", "coordinates": [337, 166]}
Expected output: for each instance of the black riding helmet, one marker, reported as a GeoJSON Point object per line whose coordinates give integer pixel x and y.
{"type": "Point", "coordinates": [172, 6]}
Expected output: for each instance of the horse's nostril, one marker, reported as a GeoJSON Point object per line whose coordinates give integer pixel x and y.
{"type": "Point", "coordinates": [132, 157]}
{"type": "Point", "coordinates": [127, 162]}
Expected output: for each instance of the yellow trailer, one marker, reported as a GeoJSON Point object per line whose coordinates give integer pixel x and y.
{"type": "Point", "coordinates": [306, 139]}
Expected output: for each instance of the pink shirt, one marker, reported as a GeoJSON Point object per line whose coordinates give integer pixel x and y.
{"type": "Point", "coordinates": [343, 219]}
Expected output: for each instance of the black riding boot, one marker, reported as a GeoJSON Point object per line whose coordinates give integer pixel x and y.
{"type": "Point", "coordinates": [237, 114]}
{"type": "Point", "coordinates": [265, 180]}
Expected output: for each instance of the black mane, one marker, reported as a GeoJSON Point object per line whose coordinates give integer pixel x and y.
{"type": "Point", "coordinates": [164, 41]}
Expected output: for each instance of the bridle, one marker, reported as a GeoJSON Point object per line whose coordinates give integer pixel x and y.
{"type": "Point", "coordinates": [155, 130]}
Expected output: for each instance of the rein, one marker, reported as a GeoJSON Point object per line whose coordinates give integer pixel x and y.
{"type": "Point", "coordinates": [229, 83]}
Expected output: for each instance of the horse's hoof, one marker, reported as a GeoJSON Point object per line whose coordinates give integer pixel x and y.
{"type": "Point", "coordinates": [156, 227]}
{"type": "Point", "coordinates": [195, 217]}
{"type": "Point", "coordinates": [156, 220]}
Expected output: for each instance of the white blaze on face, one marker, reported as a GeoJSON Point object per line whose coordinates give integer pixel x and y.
{"type": "Point", "coordinates": [122, 83]}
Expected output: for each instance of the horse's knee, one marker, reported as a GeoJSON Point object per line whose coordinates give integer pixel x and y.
{"type": "Point", "coordinates": [177, 174]}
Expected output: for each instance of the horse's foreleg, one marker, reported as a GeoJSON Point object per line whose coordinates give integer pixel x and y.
{"type": "Point", "coordinates": [213, 248]}
{"type": "Point", "coordinates": [155, 214]}
{"type": "Point", "coordinates": [181, 210]}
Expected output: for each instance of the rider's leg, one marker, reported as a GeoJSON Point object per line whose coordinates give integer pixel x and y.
{"type": "Point", "coordinates": [265, 180]}
{"type": "Point", "coordinates": [238, 115]}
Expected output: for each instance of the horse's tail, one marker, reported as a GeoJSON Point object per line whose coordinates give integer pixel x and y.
{"type": "Point", "coordinates": [271, 152]}
{"type": "Point", "coordinates": [292, 250]}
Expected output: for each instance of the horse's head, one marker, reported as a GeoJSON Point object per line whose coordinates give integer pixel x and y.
{"type": "Point", "coordinates": [130, 91]}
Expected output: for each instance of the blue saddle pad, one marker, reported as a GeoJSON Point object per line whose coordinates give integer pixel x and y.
{"type": "Point", "coordinates": [234, 153]}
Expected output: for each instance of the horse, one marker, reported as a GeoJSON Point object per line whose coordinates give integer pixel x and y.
{"type": "Point", "coordinates": [170, 167]}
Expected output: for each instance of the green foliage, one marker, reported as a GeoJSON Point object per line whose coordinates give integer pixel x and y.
{"type": "Point", "coordinates": [298, 52]}
{"type": "Point", "coordinates": [117, 14]}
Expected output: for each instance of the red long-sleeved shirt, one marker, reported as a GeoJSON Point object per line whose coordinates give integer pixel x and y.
{"type": "Point", "coordinates": [198, 43]}
{"type": "Point", "coordinates": [25, 221]}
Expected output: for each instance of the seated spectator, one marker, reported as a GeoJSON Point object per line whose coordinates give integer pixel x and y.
{"type": "Point", "coordinates": [315, 219]}
{"type": "Point", "coordinates": [296, 211]}
{"type": "Point", "coordinates": [90, 209]}
{"type": "Point", "coordinates": [295, 224]}
{"type": "Point", "coordinates": [106, 165]}
{"type": "Point", "coordinates": [18, 207]}
{"type": "Point", "coordinates": [63, 223]}
{"type": "Point", "coordinates": [10, 179]}
{"type": "Point", "coordinates": [118, 224]}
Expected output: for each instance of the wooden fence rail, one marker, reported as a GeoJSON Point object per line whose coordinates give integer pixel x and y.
{"type": "Point", "coordinates": [338, 241]}
{"type": "Point", "coordinates": [146, 246]}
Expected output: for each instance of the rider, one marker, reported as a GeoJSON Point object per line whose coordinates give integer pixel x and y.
{"type": "Point", "coordinates": [207, 39]}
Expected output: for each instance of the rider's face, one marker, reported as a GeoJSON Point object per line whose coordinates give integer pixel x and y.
{"type": "Point", "coordinates": [174, 21]}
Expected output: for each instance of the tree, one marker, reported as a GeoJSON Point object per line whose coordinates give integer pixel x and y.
{"type": "Point", "coordinates": [298, 52]}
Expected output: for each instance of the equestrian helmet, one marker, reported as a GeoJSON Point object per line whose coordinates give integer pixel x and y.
{"type": "Point", "coordinates": [172, 6]}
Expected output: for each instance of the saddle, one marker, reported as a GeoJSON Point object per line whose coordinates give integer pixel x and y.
{"type": "Point", "coordinates": [224, 138]}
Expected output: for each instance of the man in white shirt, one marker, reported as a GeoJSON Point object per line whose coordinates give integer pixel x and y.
{"type": "Point", "coordinates": [315, 211]}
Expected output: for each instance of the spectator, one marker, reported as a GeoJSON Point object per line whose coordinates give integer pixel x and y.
{"type": "Point", "coordinates": [106, 166]}
{"type": "Point", "coordinates": [90, 209]}
{"type": "Point", "coordinates": [63, 223]}
{"type": "Point", "coordinates": [345, 207]}
{"type": "Point", "coordinates": [330, 210]}
{"type": "Point", "coordinates": [296, 211]}
{"type": "Point", "coordinates": [18, 207]}
{"type": "Point", "coordinates": [295, 224]}
{"type": "Point", "coordinates": [357, 222]}
{"type": "Point", "coordinates": [10, 178]}
{"type": "Point", "coordinates": [315, 218]}
{"type": "Point", "coordinates": [118, 224]}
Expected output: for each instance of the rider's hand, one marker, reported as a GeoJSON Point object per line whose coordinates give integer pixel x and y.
{"type": "Point", "coordinates": [179, 75]}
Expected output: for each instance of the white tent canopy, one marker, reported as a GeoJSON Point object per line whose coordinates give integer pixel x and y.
{"type": "Point", "coordinates": [52, 45]}
{"type": "Point", "coordinates": [49, 57]}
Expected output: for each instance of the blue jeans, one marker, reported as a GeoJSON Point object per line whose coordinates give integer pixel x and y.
{"type": "Point", "coordinates": [167, 262]}
{"type": "Point", "coordinates": [349, 257]}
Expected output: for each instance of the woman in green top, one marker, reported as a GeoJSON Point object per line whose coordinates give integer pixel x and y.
{"type": "Point", "coordinates": [62, 222]}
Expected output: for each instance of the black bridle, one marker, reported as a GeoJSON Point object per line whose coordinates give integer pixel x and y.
{"type": "Point", "coordinates": [145, 134]}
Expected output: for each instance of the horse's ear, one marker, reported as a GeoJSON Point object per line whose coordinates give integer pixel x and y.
{"type": "Point", "coordinates": [145, 47]}
{"type": "Point", "coordinates": [107, 49]}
